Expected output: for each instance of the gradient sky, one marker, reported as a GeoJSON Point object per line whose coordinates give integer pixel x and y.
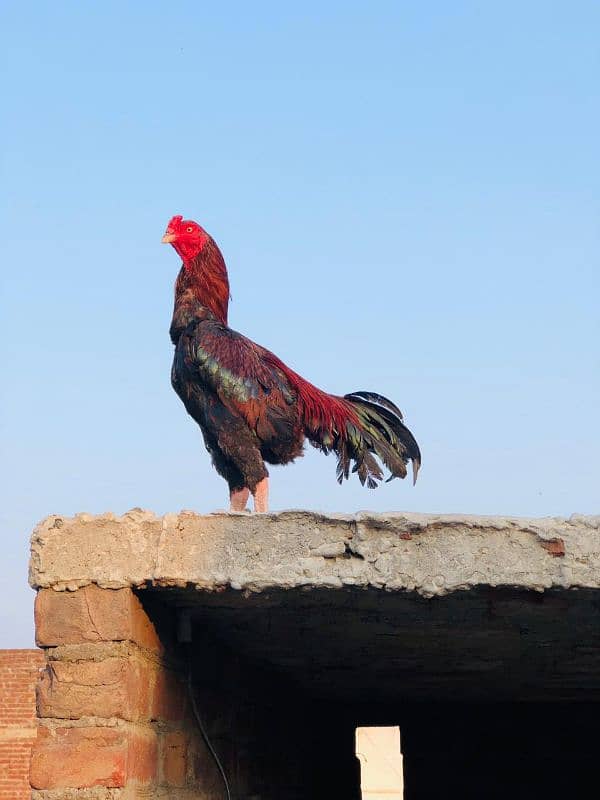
{"type": "Point", "coordinates": [407, 196]}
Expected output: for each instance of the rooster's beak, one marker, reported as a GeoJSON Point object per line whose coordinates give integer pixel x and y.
{"type": "Point", "coordinates": [168, 238]}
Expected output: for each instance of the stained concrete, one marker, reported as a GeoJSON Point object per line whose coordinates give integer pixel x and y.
{"type": "Point", "coordinates": [429, 554]}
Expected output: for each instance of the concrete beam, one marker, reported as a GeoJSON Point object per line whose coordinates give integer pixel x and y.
{"type": "Point", "coordinates": [428, 554]}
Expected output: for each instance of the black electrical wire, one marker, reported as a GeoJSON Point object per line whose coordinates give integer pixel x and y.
{"type": "Point", "coordinates": [204, 733]}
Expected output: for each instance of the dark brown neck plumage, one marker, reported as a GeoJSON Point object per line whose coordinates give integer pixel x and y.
{"type": "Point", "coordinates": [201, 290]}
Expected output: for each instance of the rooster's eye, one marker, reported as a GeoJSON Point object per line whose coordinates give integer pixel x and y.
{"type": "Point", "coordinates": [189, 229]}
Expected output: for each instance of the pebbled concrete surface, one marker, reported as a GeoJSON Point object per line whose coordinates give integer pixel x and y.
{"type": "Point", "coordinates": [427, 554]}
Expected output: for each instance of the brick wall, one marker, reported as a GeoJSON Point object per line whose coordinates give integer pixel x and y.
{"type": "Point", "coordinates": [111, 707]}
{"type": "Point", "coordinates": [115, 719]}
{"type": "Point", "coordinates": [18, 676]}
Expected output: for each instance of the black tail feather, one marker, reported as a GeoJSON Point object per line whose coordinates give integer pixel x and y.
{"type": "Point", "coordinates": [373, 433]}
{"type": "Point", "coordinates": [379, 399]}
{"type": "Point", "coordinates": [383, 434]}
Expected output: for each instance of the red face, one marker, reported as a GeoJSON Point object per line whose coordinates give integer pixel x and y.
{"type": "Point", "coordinates": [186, 236]}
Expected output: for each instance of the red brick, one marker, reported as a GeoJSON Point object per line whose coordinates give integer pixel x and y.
{"type": "Point", "coordinates": [114, 687]}
{"type": "Point", "coordinates": [133, 689]}
{"type": "Point", "coordinates": [18, 676]}
{"type": "Point", "coordinates": [92, 756]}
{"type": "Point", "coordinates": [555, 546]}
{"type": "Point", "coordinates": [169, 696]}
{"type": "Point", "coordinates": [92, 614]}
{"type": "Point", "coordinates": [174, 758]}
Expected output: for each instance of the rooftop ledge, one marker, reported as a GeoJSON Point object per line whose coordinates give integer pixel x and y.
{"type": "Point", "coordinates": [427, 554]}
{"type": "Point", "coordinates": [379, 609]}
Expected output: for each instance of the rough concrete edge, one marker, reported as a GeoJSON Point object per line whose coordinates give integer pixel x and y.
{"type": "Point", "coordinates": [548, 532]}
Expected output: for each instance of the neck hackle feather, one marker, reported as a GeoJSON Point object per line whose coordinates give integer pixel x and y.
{"type": "Point", "coordinates": [205, 275]}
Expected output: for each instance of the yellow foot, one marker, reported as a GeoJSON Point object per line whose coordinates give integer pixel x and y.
{"type": "Point", "coordinates": [238, 499]}
{"type": "Point", "coordinates": [261, 496]}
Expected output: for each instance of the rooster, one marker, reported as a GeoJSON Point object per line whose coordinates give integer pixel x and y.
{"type": "Point", "coordinates": [253, 408]}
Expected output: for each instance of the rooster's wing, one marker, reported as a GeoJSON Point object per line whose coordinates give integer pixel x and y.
{"type": "Point", "coordinates": [244, 376]}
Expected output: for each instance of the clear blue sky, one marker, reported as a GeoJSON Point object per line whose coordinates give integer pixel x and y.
{"type": "Point", "coordinates": [408, 199]}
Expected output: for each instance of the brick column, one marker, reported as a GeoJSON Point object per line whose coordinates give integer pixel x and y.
{"type": "Point", "coordinates": [18, 676]}
{"type": "Point", "coordinates": [111, 708]}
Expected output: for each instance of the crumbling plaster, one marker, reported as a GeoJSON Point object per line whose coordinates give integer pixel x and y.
{"type": "Point", "coordinates": [430, 554]}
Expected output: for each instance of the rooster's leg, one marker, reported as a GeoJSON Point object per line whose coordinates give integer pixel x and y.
{"type": "Point", "coordinates": [238, 499]}
{"type": "Point", "coordinates": [261, 496]}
